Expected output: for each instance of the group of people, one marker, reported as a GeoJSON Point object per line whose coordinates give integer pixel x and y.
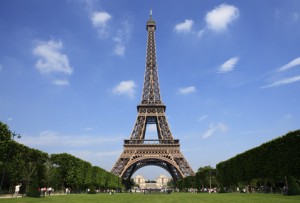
{"type": "Point", "coordinates": [43, 190]}
{"type": "Point", "coordinates": [48, 191]}
{"type": "Point", "coordinates": [68, 190]}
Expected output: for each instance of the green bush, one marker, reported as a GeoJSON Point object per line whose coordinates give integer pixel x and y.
{"type": "Point", "coordinates": [293, 187]}
{"type": "Point", "coordinates": [33, 190]}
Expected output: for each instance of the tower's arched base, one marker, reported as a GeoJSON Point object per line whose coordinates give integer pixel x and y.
{"type": "Point", "coordinates": [165, 154]}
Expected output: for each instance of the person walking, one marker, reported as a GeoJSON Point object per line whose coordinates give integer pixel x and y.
{"type": "Point", "coordinates": [17, 189]}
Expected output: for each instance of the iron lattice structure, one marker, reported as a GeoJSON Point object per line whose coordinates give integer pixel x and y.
{"type": "Point", "coordinates": [164, 151]}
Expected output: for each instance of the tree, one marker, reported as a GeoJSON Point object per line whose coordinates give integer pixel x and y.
{"type": "Point", "coordinates": [185, 183]}
{"type": "Point", "coordinates": [87, 174]}
{"type": "Point", "coordinates": [293, 187]}
{"type": "Point", "coordinates": [5, 138]}
{"type": "Point", "coordinates": [70, 169]}
{"type": "Point", "coordinates": [5, 133]}
{"type": "Point", "coordinates": [171, 184]}
{"type": "Point", "coordinates": [98, 177]}
{"type": "Point", "coordinates": [51, 176]}
{"type": "Point", "coordinates": [34, 167]}
{"type": "Point", "coordinates": [206, 177]}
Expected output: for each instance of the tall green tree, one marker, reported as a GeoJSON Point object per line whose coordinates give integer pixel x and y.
{"type": "Point", "coordinates": [5, 133]}
{"type": "Point", "coordinates": [5, 137]}
{"type": "Point", "coordinates": [70, 169]}
{"type": "Point", "coordinates": [206, 177]}
{"type": "Point", "coordinates": [88, 173]}
{"type": "Point", "coordinates": [51, 175]}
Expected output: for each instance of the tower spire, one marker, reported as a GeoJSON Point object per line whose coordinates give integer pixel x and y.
{"type": "Point", "coordinates": [151, 92]}
{"type": "Point", "coordinates": [151, 22]}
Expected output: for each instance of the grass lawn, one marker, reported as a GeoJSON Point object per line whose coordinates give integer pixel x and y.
{"type": "Point", "coordinates": [159, 198]}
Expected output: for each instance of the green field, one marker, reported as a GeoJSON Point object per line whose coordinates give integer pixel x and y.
{"type": "Point", "coordinates": [159, 198]}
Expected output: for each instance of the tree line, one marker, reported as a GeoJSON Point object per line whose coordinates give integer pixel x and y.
{"type": "Point", "coordinates": [269, 168]}
{"type": "Point", "coordinates": [272, 167]}
{"type": "Point", "coordinates": [35, 169]}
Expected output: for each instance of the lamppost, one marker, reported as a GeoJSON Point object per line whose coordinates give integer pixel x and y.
{"type": "Point", "coordinates": [9, 152]}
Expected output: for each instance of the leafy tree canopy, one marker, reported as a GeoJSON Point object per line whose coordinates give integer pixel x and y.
{"type": "Point", "coordinates": [5, 133]}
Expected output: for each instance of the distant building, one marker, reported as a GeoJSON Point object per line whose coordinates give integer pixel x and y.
{"type": "Point", "coordinates": [162, 181]}
{"type": "Point", "coordinates": [159, 183]}
{"type": "Point", "coordinates": [140, 181]}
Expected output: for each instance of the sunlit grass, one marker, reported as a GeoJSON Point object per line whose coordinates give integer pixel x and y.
{"type": "Point", "coordinates": [159, 198]}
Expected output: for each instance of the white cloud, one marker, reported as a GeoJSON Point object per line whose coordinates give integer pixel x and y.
{"type": "Point", "coordinates": [220, 127]}
{"type": "Point", "coordinates": [104, 158]}
{"type": "Point", "coordinates": [287, 16]}
{"type": "Point", "coordinates": [82, 146]}
{"type": "Point", "coordinates": [291, 64]}
{"type": "Point", "coordinates": [86, 155]}
{"type": "Point", "coordinates": [209, 132]}
{"type": "Point", "coordinates": [99, 20]}
{"type": "Point", "coordinates": [202, 118]}
{"type": "Point", "coordinates": [119, 49]}
{"type": "Point", "coordinates": [56, 139]}
{"type": "Point", "coordinates": [283, 82]}
{"type": "Point", "coordinates": [51, 60]}
{"type": "Point", "coordinates": [63, 82]}
{"type": "Point", "coordinates": [288, 116]}
{"type": "Point", "coordinates": [187, 90]}
{"type": "Point", "coordinates": [108, 153]}
{"type": "Point", "coordinates": [219, 18]}
{"type": "Point", "coordinates": [185, 27]}
{"type": "Point", "coordinates": [88, 128]}
{"type": "Point", "coordinates": [126, 88]}
{"type": "Point", "coordinates": [121, 39]}
{"type": "Point", "coordinates": [90, 5]}
{"type": "Point", "coordinates": [295, 16]}
{"type": "Point", "coordinates": [201, 32]}
{"type": "Point", "coordinates": [228, 65]}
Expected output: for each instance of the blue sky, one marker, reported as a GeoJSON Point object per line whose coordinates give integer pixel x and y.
{"type": "Point", "coordinates": [71, 74]}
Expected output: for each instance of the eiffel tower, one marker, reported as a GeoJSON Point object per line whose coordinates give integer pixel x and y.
{"type": "Point", "coordinates": [164, 151]}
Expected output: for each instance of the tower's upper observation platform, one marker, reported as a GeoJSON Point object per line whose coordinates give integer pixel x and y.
{"type": "Point", "coordinates": [151, 22]}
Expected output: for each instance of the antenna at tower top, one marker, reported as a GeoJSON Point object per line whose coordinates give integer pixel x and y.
{"type": "Point", "coordinates": [150, 22]}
